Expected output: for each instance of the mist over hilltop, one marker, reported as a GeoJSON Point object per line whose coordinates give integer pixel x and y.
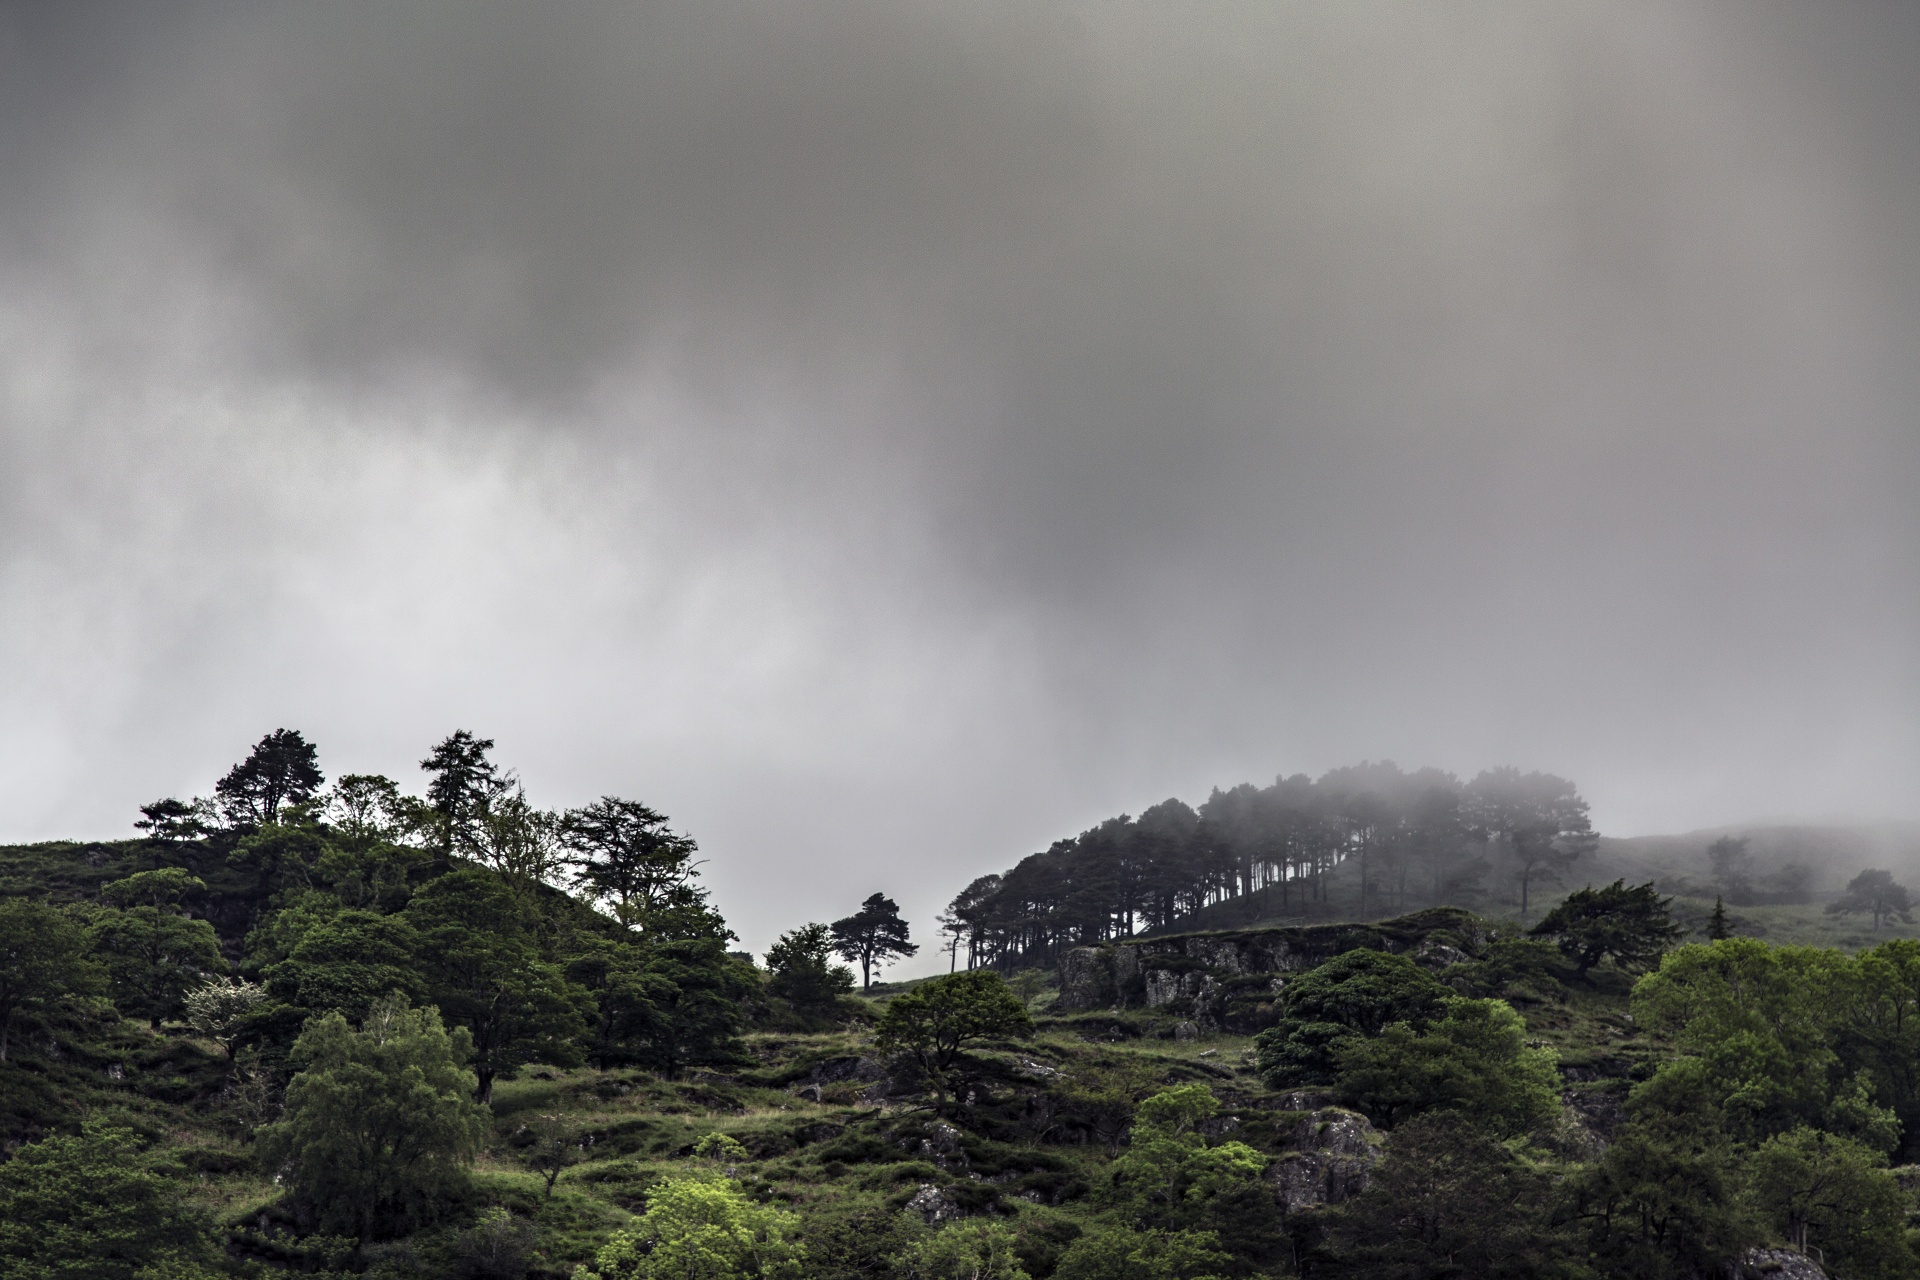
{"type": "Point", "coordinates": [889, 438]}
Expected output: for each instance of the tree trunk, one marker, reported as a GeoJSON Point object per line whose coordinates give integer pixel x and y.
{"type": "Point", "coordinates": [484, 1094]}
{"type": "Point", "coordinates": [6, 1032]}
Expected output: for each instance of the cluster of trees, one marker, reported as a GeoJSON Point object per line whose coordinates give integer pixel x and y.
{"type": "Point", "coordinates": [446, 939]}
{"type": "Point", "coordinates": [1399, 839]}
{"type": "Point", "coordinates": [1792, 1090]}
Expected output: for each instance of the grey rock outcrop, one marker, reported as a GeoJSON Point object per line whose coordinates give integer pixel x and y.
{"type": "Point", "coordinates": [1331, 1154]}
{"type": "Point", "coordinates": [1231, 979]}
{"type": "Point", "coordinates": [1775, 1264]}
{"type": "Point", "coordinates": [934, 1205]}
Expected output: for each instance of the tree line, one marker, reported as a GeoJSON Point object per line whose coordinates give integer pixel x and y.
{"type": "Point", "coordinates": [1394, 840]}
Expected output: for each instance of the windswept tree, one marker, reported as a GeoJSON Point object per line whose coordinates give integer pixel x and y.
{"type": "Point", "coordinates": [282, 769]}
{"type": "Point", "coordinates": [872, 936]}
{"type": "Point", "coordinates": [1874, 893]}
{"type": "Point", "coordinates": [171, 821]}
{"type": "Point", "coordinates": [644, 873]}
{"type": "Point", "coordinates": [1632, 925]}
{"type": "Point", "coordinates": [1539, 820]}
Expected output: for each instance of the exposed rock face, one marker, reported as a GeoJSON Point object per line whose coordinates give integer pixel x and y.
{"type": "Point", "coordinates": [934, 1205]}
{"type": "Point", "coordinates": [1332, 1154]}
{"type": "Point", "coordinates": [1775, 1264]}
{"type": "Point", "coordinates": [1231, 979]}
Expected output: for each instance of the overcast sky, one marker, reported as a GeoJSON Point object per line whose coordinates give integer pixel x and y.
{"type": "Point", "coordinates": [888, 437]}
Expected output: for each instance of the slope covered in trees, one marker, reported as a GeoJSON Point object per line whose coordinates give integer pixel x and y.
{"type": "Point", "coordinates": [1362, 841]}
{"type": "Point", "coordinates": [332, 1029]}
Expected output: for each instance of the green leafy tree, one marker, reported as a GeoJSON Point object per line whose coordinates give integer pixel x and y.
{"type": "Point", "coordinates": [346, 961]}
{"type": "Point", "coordinates": [164, 887]}
{"type": "Point", "coordinates": [1761, 1021]}
{"type": "Point", "coordinates": [966, 1251]}
{"type": "Point", "coordinates": [153, 956]}
{"type": "Point", "coordinates": [1663, 1201]}
{"type": "Point", "coordinates": [665, 1005]}
{"type": "Point", "coordinates": [1170, 1176]}
{"type": "Point", "coordinates": [1876, 894]}
{"type": "Point", "coordinates": [1355, 993]}
{"type": "Point", "coordinates": [936, 1020]}
{"type": "Point", "coordinates": [803, 976]}
{"type": "Point", "coordinates": [872, 935]}
{"type": "Point", "coordinates": [369, 806]}
{"type": "Point", "coordinates": [703, 1229]}
{"type": "Point", "coordinates": [1119, 1252]}
{"type": "Point", "coordinates": [484, 972]}
{"type": "Point", "coordinates": [378, 1128]}
{"type": "Point", "coordinates": [1448, 1200]}
{"type": "Point", "coordinates": [218, 1009]}
{"type": "Point", "coordinates": [1877, 1015]}
{"type": "Point", "coordinates": [1817, 1189]}
{"type": "Point", "coordinates": [282, 769]}
{"type": "Point", "coordinates": [97, 1207]}
{"type": "Point", "coordinates": [1473, 1058]}
{"type": "Point", "coordinates": [1632, 925]}
{"type": "Point", "coordinates": [43, 962]}
{"type": "Point", "coordinates": [281, 857]}
{"type": "Point", "coordinates": [552, 1145]}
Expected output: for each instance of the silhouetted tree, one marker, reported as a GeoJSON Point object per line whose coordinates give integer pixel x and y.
{"type": "Point", "coordinates": [282, 769]}
{"type": "Point", "coordinates": [872, 935]}
{"type": "Point", "coordinates": [171, 821]}
{"type": "Point", "coordinates": [1717, 922]}
{"type": "Point", "coordinates": [1876, 893]}
{"type": "Point", "coordinates": [628, 859]}
{"type": "Point", "coordinates": [464, 786]}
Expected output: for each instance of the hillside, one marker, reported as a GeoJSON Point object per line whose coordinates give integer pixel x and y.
{"type": "Point", "coordinates": [353, 1040]}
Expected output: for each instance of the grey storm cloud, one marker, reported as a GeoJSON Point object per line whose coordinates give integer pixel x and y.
{"type": "Point", "coordinates": [889, 436]}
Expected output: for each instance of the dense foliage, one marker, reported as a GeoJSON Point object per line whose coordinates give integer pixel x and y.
{"type": "Point", "coordinates": [333, 1029]}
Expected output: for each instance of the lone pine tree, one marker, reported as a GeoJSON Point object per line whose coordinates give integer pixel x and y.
{"type": "Point", "coordinates": [872, 935]}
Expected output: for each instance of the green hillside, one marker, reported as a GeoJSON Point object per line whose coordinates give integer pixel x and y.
{"type": "Point", "coordinates": [349, 1032]}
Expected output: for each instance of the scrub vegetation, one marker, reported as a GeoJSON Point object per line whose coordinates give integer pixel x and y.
{"type": "Point", "coordinates": [303, 1028]}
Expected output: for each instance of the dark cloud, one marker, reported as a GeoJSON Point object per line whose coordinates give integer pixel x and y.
{"type": "Point", "coordinates": [890, 436]}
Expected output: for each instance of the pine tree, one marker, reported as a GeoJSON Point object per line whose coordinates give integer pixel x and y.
{"type": "Point", "coordinates": [1717, 922]}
